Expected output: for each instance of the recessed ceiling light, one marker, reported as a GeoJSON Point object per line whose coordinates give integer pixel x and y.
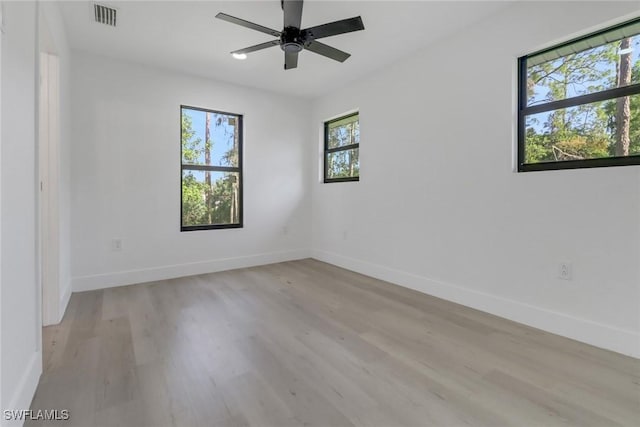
{"type": "Point", "coordinates": [240, 56]}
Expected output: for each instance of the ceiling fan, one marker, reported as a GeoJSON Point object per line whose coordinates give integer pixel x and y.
{"type": "Point", "coordinates": [292, 39]}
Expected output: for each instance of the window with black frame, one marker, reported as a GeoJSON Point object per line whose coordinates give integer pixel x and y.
{"type": "Point", "coordinates": [211, 165]}
{"type": "Point", "coordinates": [579, 102]}
{"type": "Point", "coordinates": [342, 149]}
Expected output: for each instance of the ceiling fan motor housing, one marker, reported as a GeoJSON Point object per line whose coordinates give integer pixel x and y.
{"type": "Point", "coordinates": [290, 40]}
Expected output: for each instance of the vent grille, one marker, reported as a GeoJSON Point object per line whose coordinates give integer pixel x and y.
{"type": "Point", "coordinates": [105, 15]}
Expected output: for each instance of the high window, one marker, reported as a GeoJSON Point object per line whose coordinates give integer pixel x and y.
{"type": "Point", "coordinates": [579, 102]}
{"type": "Point", "coordinates": [211, 153]}
{"type": "Point", "coordinates": [342, 149]}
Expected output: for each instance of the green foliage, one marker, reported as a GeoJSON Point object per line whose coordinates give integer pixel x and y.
{"type": "Point", "coordinates": [343, 164]}
{"type": "Point", "coordinates": [222, 211]}
{"type": "Point", "coordinates": [634, 133]}
{"type": "Point", "coordinates": [190, 146]}
{"type": "Point", "coordinates": [194, 210]}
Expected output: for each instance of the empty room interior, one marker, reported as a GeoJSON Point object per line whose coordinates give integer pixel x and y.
{"type": "Point", "coordinates": [197, 230]}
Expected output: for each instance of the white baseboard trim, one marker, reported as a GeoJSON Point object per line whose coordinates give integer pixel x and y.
{"type": "Point", "coordinates": [122, 278]}
{"type": "Point", "coordinates": [600, 335]}
{"type": "Point", "coordinates": [25, 389]}
{"type": "Point", "coordinates": [64, 302]}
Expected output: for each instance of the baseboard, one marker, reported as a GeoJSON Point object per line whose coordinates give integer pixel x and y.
{"type": "Point", "coordinates": [122, 278]}
{"type": "Point", "coordinates": [56, 318]}
{"type": "Point", "coordinates": [593, 333]}
{"type": "Point", "coordinates": [25, 390]}
{"type": "Point", "coordinates": [64, 302]}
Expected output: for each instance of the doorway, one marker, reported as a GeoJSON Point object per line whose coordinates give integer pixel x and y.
{"type": "Point", "coordinates": [49, 141]}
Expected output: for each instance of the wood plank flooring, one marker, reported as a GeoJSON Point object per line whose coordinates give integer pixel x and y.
{"type": "Point", "coordinates": [304, 343]}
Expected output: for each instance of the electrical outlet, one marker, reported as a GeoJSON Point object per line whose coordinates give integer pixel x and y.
{"type": "Point", "coordinates": [565, 271]}
{"type": "Point", "coordinates": [285, 230]}
{"type": "Point", "coordinates": [345, 235]}
{"type": "Point", "coordinates": [116, 245]}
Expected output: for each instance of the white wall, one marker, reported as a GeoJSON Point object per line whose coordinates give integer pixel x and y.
{"type": "Point", "coordinates": [53, 40]}
{"type": "Point", "coordinates": [125, 175]}
{"type": "Point", "coordinates": [1, 61]}
{"type": "Point", "coordinates": [20, 336]}
{"type": "Point", "coordinates": [438, 207]}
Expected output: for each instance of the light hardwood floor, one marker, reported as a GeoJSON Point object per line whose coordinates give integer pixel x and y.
{"type": "Point", "coordinates": [307, 343]}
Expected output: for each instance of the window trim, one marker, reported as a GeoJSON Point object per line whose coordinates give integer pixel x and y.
{"type": "Point", "coordinates": [524, 111]}
{"type": "Point", "coordinates": [328, 150]}
{"type": "Point", "coordinates": [238, 169]}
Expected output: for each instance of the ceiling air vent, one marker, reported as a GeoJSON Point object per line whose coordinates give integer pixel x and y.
{"type": "Point", "coordinates": [104, 15]}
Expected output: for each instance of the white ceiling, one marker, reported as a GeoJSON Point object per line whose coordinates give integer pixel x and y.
{"type": "Point", "coordinates": [185, 36]}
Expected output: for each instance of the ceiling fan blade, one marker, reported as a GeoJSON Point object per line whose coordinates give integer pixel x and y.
{"type": "Point", "coordinates": [247, 24]}
{"type": "Point", "coordinates": [290, 60]}
{"type": "Point", "coordinates": [292, 13]}
{"type": "Point", "coordinates": [334, 28]}
{"type": "Point", "coordinates": [257, 47]}
{"type": "Point", "coordinates": [328, 51]}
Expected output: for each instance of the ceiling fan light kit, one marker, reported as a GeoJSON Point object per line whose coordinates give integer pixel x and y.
{"type": "Point", "coordinates": [292, 40]}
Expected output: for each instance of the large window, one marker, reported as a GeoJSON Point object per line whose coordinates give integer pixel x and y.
{"type": "Point", "coordinates": [211, 153]}
{"type": "Point", "coordinates": [342, 149]}
{"type": "Point", "coordinates": [579, 102]}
